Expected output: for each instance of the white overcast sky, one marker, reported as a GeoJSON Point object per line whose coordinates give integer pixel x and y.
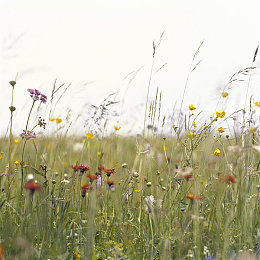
{"type": "Point", "coordinates": [94, 44]}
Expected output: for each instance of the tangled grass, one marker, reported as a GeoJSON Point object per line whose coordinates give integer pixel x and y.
{"type": "Point", "coordinates": [193, 194]}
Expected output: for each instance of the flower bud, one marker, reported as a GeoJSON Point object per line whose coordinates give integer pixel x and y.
{"type": "Point", "coordinates": [12, 108]}
{"type": "Point", "coordinates": [12, 83]}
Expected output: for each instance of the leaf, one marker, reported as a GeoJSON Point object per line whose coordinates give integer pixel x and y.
{"type": "Point", "coordinates": [36, 171]}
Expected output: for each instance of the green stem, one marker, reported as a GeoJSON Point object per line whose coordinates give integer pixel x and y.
{"type": "Point", "coordinates": [25, 141]}
{"type": "Point", "coordinates": [10, 142]}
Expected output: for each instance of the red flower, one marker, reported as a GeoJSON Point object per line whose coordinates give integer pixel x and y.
{"type": "Point", "coordinates": [84, 188]}
{"type": "Point", "coordinates": [192, 197]}
{"type": "Point", "coordinates": [110, 184]}
{"type": "Point", "coordinates": [83, 168]}
{"type": "Point", "coordinates": [227, 178]}
{"type": "Point", "coordinates": [109, 172]}
{"type": "Point", "coordinates": [32, 186]}
{"type": "Point", "coordinates": [101, 168]}
{"type": "Point", "coordinates": [92, 177]}
{"type": "Point", "coordinates": [188, 176]}
{"type": "Point", "coordinates": [75, 168]}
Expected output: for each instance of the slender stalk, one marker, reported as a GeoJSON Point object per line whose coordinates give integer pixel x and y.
{"type": "Point", "coordinates": [149, 85]}
{"type": "Point", "coordinates": [12, 109]}
{"type": "Point", "coordinates": [11, 135]}
{"type": "Point", "coordinates": [25, 141]}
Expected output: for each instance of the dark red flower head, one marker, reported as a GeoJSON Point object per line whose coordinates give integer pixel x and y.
{"type": "Point", "coordinates": [84, 188]}
{"type": "Point", "coordinates": [92, 177]}
{"type": "Point", "coordinates": [109, 172]}
{"type": "Point", "coordinates": [83, 168]}
{"type": "Point", "coordinates": [32, 186]}
{"type": "Point", "coordinates": [227, 178]}
{"type": "Point", "coordinates": [192, 197]}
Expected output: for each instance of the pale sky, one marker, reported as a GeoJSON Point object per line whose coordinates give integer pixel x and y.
{"type": "Point", "coordinates": [93, 45]}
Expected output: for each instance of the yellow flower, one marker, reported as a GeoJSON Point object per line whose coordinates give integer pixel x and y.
{"type": "Point", "coordinates": [257, 104]}
{"type": "Point", "coordinates": [137, 191]}
{"type": "Point", "coordinates": [194, 124]}
{"type": "Point", "coordinates": [224, 94]}
{"type": "Point", "coordinates": [220, 113]}
{"type": "Point", "coordinates": [165, 148]}
{"type": "Point", "coordinates": [58, 120]}
{"type": "Point", "coordinates": [221, 130]}
{"type": "Point", "coordinates": [191, 135]}
{"type": "Point", "coordinates": [17, 163]}
{"type": "Point", "coordinates": [89, 135]}
{"type": "Point", "coordinates": [16, 141]}
{"type": "Point", "coordinates": [52, 119]}
{"type": "Point", "coordinates": [117, 127]}
{"type": "Point", "coordinates": [77, 255]}
{"type": "Point", "coordinates": [217, 152]}
{"type": "Point", "coordinates": [1, 156]}
{"type": "Point", "coordinates": [252, 130]}
{"type": "Point", "coordinates": [100, 154]}
{"type": "Point", "coordinates": [191, 107]}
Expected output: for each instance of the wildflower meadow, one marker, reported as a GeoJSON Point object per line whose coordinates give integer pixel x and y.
{"type": "Point", "coordinates": [192, 192]}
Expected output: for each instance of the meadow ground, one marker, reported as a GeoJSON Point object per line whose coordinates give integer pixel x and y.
{"type": "Point", "coordinates": [192, 194]}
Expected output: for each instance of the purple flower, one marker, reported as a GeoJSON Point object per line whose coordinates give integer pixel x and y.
{"type": "Point", "coordinates": [37, 95]}
{"type": "Point", "coordinates": [99, 181]}
{"type": "Point", "coordinates": [3, 174]}
{"type": "Point", "coordinates": [41, 122]}
{"type": "Point", "coordinates": [43, 98]}
{"type": "Point", "coordinates": [28, 134]}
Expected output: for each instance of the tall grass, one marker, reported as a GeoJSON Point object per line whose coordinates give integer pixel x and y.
{"type": "Point", "coordinates": [193, 194]}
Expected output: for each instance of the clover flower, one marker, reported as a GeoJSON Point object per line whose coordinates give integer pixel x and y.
{"type": "Point", "coordinates": [4, 174]}
{"type": "Point", "coordinates": [149, 202]}
{"type": "Point", "coordinates": [27, 135]}
{"type": "Point", "coordinates": [37, 95]}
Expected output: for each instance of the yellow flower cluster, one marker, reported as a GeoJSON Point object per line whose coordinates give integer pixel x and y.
{"type": "Point", "coordinates": [220, 113]}
{"type": "Point", "coordinates": [221, 130]}
{"type": "Point", "coordinates": [217, 152]}
{"type": "Point", "coordinates": [89, 135]}
{"type": "Point", "coordinates": [117, 127]}
{"type": "Point", "coordinates": [191, 107]}
{"type": "Point", "coordinates": [252, 130]}
{"type": "Point", "coordinates": [58, 120]}
{"type": "Point", "coordinates": [224, 94]}
{"type": "Point", "coordinates": [191, 135]}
